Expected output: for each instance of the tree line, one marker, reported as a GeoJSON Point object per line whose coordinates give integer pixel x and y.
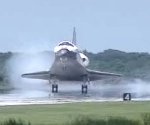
{"type": "Point", "coordinates": [131, 65]}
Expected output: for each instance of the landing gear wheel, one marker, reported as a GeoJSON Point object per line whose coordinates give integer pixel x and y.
{"type": "Point", "coordinates": [84, 89]}
{"type": "Point", "coordinates": [54, 88]}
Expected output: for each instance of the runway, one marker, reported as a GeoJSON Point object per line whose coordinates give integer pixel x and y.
{"type": "Point", "coordinates": [29, 94]}
{"type": "Point", "coordinates": [23, 98]}
{"type": "Point", "coordinates": [5, 101]}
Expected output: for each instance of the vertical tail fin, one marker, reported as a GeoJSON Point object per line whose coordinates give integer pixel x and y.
{"type": "Point", "coordinates": [74, 36]}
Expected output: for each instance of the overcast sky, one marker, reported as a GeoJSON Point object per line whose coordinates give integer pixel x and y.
{"type": "Point", "coordinates": [37, 25]}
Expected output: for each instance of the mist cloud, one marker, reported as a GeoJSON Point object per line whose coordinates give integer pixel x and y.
{"type": "Point", "coordinates": [21, 63]}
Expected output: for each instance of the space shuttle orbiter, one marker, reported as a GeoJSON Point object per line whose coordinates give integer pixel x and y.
{"type": "Point", "coordinates": [69, 65]}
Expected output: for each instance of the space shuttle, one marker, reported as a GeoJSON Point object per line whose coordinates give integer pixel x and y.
{"type": "Point", "coordinates": [70, 64]}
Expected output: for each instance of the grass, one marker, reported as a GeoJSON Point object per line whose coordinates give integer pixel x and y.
{"type": "Point", "coordinates": [64, 113]}
{"type": "Point", "coordinates": [91, 121]}
{"type": "Point", "coordinates": [14, 122]}
{"type": "Point", "coordinates": [109, 121]}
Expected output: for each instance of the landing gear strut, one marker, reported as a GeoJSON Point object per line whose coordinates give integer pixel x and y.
{"type": "Point", "coordinates": [84, 87]}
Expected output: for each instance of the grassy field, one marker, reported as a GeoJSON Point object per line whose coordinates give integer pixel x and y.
{"type": "Point", "coordinates": [62, 113]}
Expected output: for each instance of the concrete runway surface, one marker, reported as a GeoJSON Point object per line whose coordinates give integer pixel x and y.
{"type": "Point", "coordinates": [71, 93]}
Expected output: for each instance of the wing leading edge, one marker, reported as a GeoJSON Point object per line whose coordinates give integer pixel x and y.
{"type": "Point", "coordinates": [97, 75]}
{"type": "Point", "coordinates": [45, 75]}
{"type": "Point", "coordinates": [92, 74]}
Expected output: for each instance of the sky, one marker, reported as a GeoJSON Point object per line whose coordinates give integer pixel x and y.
{"type": "Point", "coordinates": [39, 25]}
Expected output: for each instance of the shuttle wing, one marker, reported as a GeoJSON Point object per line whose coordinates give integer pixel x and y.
{"type": "Point", "coordinates": [97, 75]}
{"type": "Point", "coordinates": [45, 75]}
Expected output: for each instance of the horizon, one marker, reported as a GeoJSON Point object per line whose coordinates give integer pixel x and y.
{"type": "Point", "coordinates": [35, 52]}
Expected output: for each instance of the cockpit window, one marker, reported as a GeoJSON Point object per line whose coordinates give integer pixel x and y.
{"type": "Point", "coordinates": [66, 43]}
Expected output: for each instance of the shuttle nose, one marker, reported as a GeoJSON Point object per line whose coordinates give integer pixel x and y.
{"type": "Point", "coordinates": [62, 52]}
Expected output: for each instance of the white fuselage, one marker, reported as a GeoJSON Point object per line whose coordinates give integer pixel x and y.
{"type": "Point", "coordinates": [66, 45]}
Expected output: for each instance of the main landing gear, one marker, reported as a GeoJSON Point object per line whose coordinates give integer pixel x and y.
{"type": "Point", "coordinates": [54, 88]}
{"type": "Point", "coordinates": [84, 87]}
{"type": "Point", "coordinates": [54, 85]}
